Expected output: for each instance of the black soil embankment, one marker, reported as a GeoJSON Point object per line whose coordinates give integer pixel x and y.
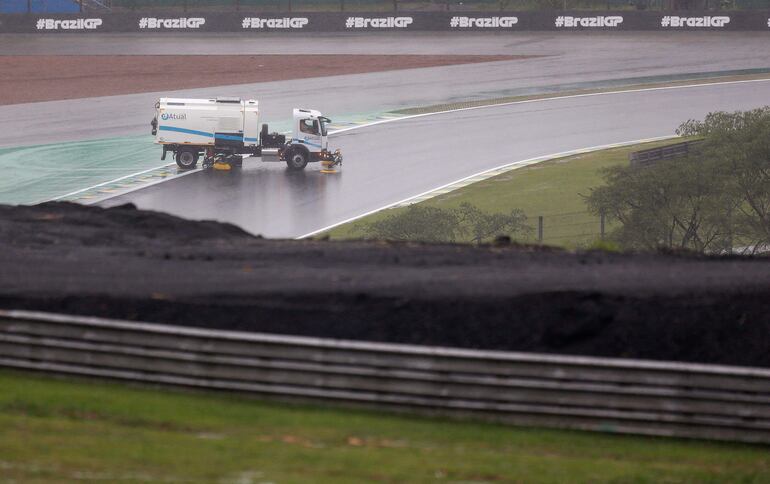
{"type": "Point", "coordinates": [130, 264]}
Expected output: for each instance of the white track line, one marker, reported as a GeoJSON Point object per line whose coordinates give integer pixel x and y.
{"type": "Point", "coordinates": [103, 183]}
{"type": "Point", "coordinates": [144, 185]}
{"type": "Point", "coordinates": [413, 116]}
{"type": "Point", "coordinates": [506, 167]}
{"type": "Point", "coordinates": [554, 98]}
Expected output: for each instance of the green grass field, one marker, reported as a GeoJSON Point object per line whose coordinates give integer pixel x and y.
{"type": "Point", "coordinates": [54, 430]}
{"type": "Point", "coordinates": [551, 189]}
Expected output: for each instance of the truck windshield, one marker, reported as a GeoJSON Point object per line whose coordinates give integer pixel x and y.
{"type": "Point", "coordinates": [323, 125]}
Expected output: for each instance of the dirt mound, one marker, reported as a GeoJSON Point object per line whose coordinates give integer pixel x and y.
{"type": "Point", "coordinates": [32, 78]}
{"type": "Point", "coordinates": [131, 264]}
{"type": "Point", "coordinates": [52, 223]}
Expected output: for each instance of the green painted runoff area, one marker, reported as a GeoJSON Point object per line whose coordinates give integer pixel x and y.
{"type": "Point", "coordinates": [34, 174]}
{"type": "Point", "coordinates": [60, 430]}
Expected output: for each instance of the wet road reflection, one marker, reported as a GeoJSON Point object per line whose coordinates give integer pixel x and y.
{"type": "Point", "coordinates": [390, 162]}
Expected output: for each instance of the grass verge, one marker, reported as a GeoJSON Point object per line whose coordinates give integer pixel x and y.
{"type": "Point", "coordinates": [62, 430]}
{"type": "Point", "coordinates": [435, 108]}
{"type": "Point", "coordinates": [552, 189]}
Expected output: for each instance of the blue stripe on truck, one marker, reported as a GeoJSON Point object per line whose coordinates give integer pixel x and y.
{"type": "Point", "coordinates": [185, 130]}
{"type": "Point", "coordinates": [306, 142]}
{"type": "Point", "coordinates": [229, 137]}
{"type": "Point", "coordinates": [204, 133]}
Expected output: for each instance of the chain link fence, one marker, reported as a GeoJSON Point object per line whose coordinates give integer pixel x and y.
{"type": "Point", "coordinates": [467, 224]}
{"type": "Point", "coordinates": [568, 229]}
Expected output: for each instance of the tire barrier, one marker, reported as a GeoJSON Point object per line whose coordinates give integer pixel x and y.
{"type": "Point", "coordinates": [574, 392]}
{"type": "Point", "coordinates": [396, 21]}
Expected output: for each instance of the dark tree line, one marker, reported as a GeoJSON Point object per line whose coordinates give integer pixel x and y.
{"type": "Point", "coordinates": [432, 224]}
{"type": "Point", "coordinates": [715, 199]}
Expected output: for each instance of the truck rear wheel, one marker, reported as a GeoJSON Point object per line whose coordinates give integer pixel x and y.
{"type": "Point", "coordinates": [297, 159]}
{"type": "Point", "coordinates": [187, 159]}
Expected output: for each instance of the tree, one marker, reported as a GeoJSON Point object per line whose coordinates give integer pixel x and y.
{"type": "Point", "coordinates": [432, 224]}
{"type": "Point", "coordinates": [483, 226]}
{"type": "Point", "coordinates": [417, 223]}
{"type": "Point", "coordinates": [717, 196]}
{"type": "Point", "coordinates": [738, 146]}
{"type": "Point", "coordinates": [674, 203]}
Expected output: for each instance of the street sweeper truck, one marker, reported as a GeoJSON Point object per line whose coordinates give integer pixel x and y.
{"type": "Point", "coordinates": [223, 130]}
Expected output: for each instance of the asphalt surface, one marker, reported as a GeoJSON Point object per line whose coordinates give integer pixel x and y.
{"type": "Point", "coordinates": [570, 60]}
{"type": "Point", "coordinates": [389, 162]}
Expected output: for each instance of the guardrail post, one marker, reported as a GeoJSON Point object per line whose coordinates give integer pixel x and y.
{"type": "Point", "coordinates": [540, 229]}
{"type": "Point", "coordinates": [601, 225]}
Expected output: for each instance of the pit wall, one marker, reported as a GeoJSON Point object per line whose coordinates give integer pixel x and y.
{"type": "Point", "coordinates": [356, 22]}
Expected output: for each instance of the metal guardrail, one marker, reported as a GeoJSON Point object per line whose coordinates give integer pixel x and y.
{"type": "Point", "coordinates": [600, 394]}
{"type": "Point", "coordinates": [650, 156]}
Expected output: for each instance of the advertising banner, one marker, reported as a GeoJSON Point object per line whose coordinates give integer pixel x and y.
{"type": "Point", "coordinates": [385, 22]}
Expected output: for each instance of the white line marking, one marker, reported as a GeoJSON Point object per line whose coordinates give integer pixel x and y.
{"type": "Point", "coordinates": [555, 98]}
{"type": "Point", "coordinates": [123, 178]}
{"type": "Point", "coordinates": [502, 168]}
{"type": "Point", "coordinates": [142, 186]}
{"type": "Point", "coordinates": [103, 183]}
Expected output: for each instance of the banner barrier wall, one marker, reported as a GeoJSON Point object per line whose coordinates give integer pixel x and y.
{"type": "Point", "coordinates": [413, 21]}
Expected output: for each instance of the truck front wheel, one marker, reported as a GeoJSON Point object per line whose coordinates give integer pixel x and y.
{"type": "Point", "coordinates": [187, 159]}
{"type": "Point", "coordinates": [297, 159]}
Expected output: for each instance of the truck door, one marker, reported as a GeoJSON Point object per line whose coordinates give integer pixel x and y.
{"type": "Point", "coordinates": [310, 134]}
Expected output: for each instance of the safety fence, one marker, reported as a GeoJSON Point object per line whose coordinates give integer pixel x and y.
{"type": "Point", "coordinates": [599, 394]}
{"type": "Point", "coordinates": [574, 229]}
{"type": "Point", "coordinates": [651, 156]}
{"type": "Point", "coordinates": [256, 21]}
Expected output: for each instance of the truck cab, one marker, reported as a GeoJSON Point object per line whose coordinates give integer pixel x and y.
{"type": "Point", "coordinates": [309, 140]}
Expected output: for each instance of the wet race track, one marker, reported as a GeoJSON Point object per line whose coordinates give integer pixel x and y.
{"type": "Point", "coordinates": [390, 162]}
{"type": "Point", "coordinates": [393, 161]}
